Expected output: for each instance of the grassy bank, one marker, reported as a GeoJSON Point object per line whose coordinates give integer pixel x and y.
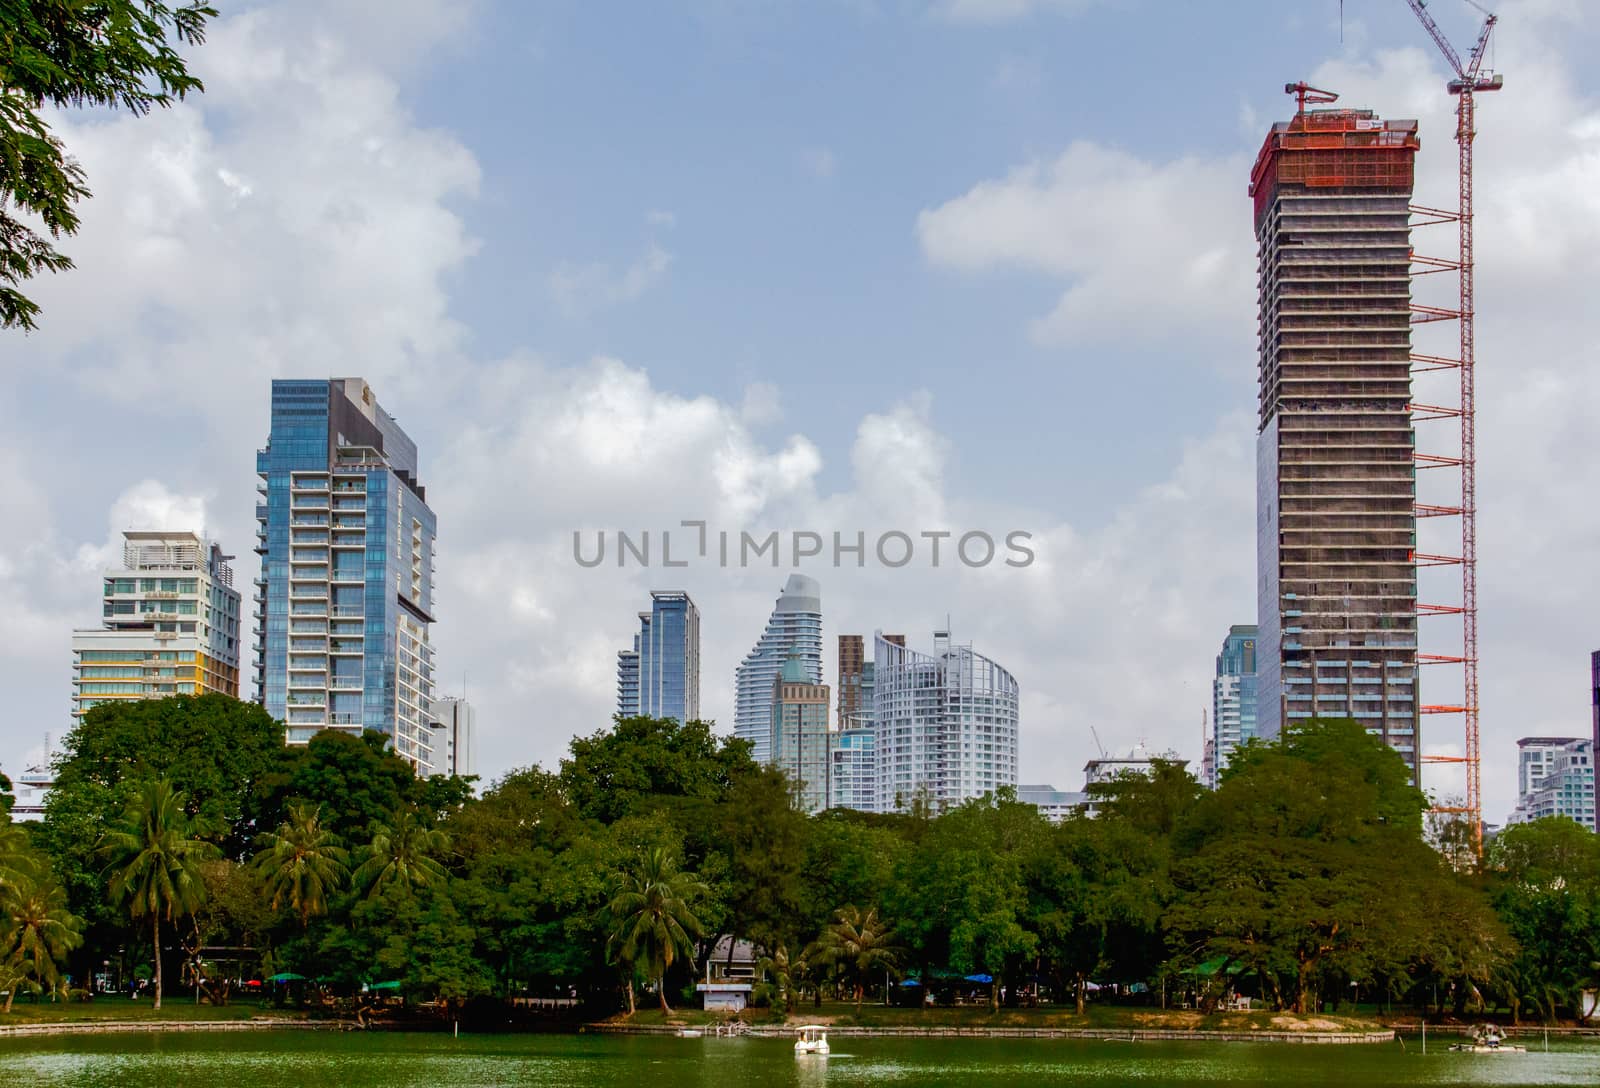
{"type": "Point", "coordinates": [122, 1008]}
{"type": "Point", "coordinates": [1098, 1018]}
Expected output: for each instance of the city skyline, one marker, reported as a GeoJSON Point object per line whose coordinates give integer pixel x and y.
{"type": "Point", "coordinates": [943, 277]}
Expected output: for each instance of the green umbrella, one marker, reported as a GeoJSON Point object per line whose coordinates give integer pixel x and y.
{"type": "Point", "coordinates": [286, 976]}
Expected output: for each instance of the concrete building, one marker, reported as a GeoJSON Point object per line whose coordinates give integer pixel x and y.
{"type": "Point", "coordinates": [1136, 760]}
{"type": "Point", "coordinates": [799, 741]}
{"type": "Point", "coordinates": [1053, 804]}
{"type": "Point", "coordinates": [660, 676]}
{"type": "Point", "coordinates": [1555, 777]}
{"type": "Point", "coordinates": [946, 724]}
{"type": "Point", "coordinates": [455, 726]}
{"type": "Point", "coordinates": [169, 624]}
{"type": "Point", "coordinates": [1336, 470]}
{"type": "Point", "coordinates": [853, 769]}
{"type": "Point", "coordinates": [345, 597]}
{"type": "Point", "coordinates": [793, 630]}
{"type": "Point", "coordinates": [628, 681]}
{"type": "Point", "coordinates": [1233, 700]}
{"type": "Point", "coordinates": [1594, 689]}
{"type": "Point", "coordinates": [855, 680]}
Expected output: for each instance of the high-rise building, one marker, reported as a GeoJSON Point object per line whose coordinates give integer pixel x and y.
{"type": "Point", "coordinates": [855, 680]}
{"type": "Point", "coordinates": [799, 741]}
{"type": "Point", "coordinates": [660, 676]}
{"type": "Point", "coordinates": [1594, 689]}
{"type": "Point", "coordinates": [169, 624]}
{"type": "Point", "coordinates": [946, 724]}
{"type": "Point", "coordinates": [1555, 777]}
{"type": "Point", "coordinates": [1336, 474]}
{"type": "Point", "coordinates": [454, 724]}
{"type": "Point", "coordinates": [1233, 698]}
{"type": "Point", "coordinates": [853, 769]}
{"type": "Point", "coordinates": [345, 597]}
{"type": "Point", "coordinates": [628, 681]}
{"type": "Point", "coordinates": [793, 630]}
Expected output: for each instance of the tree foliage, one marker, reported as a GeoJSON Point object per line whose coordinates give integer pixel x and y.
{"type": "Point", "coordinates": [116, 54]}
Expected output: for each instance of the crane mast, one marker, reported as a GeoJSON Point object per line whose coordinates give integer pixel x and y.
{"type": "Point", "coordinates": [1470, 79]}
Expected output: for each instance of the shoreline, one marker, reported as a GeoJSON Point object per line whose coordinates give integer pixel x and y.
{"type": "Point", "coordinates": [1126, 1035]}
{"type": "Point", "coordinates": [117, 1027]}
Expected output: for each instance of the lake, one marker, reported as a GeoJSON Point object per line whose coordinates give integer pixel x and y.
{"type": "Point", "coordinates": [395, 1060]}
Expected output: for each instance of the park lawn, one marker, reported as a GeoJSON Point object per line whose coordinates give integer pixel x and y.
{"type": "Point", "coordinates": [1096, 1017]}
{"type": "Point", "coordinates": [121, 1008]}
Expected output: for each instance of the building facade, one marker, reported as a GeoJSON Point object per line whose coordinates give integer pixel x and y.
{"type": "Point", "coordinates": [1336, 470]}
{"type": "Point", "coordinates": [793, 630]}
{"type": "Point", "coordinates": [660, 676]}
{"type": "Point", "coordinates": [1594, 692]}
{"type": "Point", "coordinates": [1053, 804]}
{"type": "Point", "coordinates": [946, 724]}
{"type": "Point", "coordinates": [799, 741]}
{"type": "Point", "coordinates": [454, 724]}
{"type": "Point", "coordinates": [855, 680]}
{"type": "Point", "coordinates": [853, 770]}
{"type": "Point", "coordinates": [345, 597]}
{"type": "Point", "coordinates": [1233, 699]}
{"type": "Point", "coordinates": [169, 624]}
{"type": "Point", "coordinates": [1555, 777]}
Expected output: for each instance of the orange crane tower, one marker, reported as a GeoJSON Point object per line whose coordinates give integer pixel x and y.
{"type": "Point", "coordinates": [1470, 79]}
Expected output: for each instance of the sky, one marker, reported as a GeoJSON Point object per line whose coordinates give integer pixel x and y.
{"type": "Point", "coordinates": [914, 265]}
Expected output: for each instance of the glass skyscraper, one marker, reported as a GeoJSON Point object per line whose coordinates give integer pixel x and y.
{"type": "Point", "coordinates": [793, 630]}
{"type": "Point", "coordinates": [800, 741]}
{"type": "Point", "coordinates": [660, 676]}
{"type": "Point", "coordinates": [345, 597]}
{"type": "Point", "coordinates": [1233, 697]}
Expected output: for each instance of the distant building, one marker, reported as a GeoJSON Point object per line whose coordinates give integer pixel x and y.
{"type": "Point", "coordinates": [1233, 699]}
{"type": "Point", "coordinates": [169, 624]}
{"type": "Point", "coordinates": [1137, 760]}
{"type": "Point", "coordinates": [799, 741]}
{"type": "Point", "coordinates": [628, 681]}
{"type": "Point", "coordinates": [1594, 686]}
{"type": "Point", "coordinates": [1555, 776]}
{"type": "Point", "coordinates": [730, 975]}
{"type": "Point", "coordinates": [793, 629]}
{"type": "Point", "coordinates": [853, 769]}
{"type": "Point", "coordinates": [856, 680]}
{"type": "Point", "coordinates": [660, 676]}
{"type": "Point", "coordinates": [1053, 804]}
{"type": "Point", "coordinates": [345, 598]}
{"type": "Point", "coordinates": [946, 724]}
{"type": "Point", "coordinates": [455, 737]}
{"type": "Point", "coordinates": [33, 787]}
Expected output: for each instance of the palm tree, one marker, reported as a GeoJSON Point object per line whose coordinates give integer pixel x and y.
{"type": "Point", "coordinates": [302, 862]}
{"type": "Point", "coordinates": [402, 855]}
{"type": "Point", "coordinates": [654, 921]}
{"type": "Point", "coordinates": [42, 931]}
{"type": "Point", "coordinates": [860, 943]}
{"type": "Point", "coordinates": [154, 861]}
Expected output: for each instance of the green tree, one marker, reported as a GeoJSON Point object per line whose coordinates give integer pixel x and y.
{"type": "Point", "coordinates": [301, 863]}
{"type": "Point", "coordinates": [110, 53]}
{"type": "Point", "coordinates": [402, 853]}
{"type": "Point", "coordinates": [1546, 881]}
{"type": "Point", "coordinates": [652, 763]}
{"type": "Point", "coordinates": [40, 932]}
{"type": "Point", "coordinates": [358, 781]}
{"type": "Point", "coordinates": [653, 914]}
{"type": "Point", "coordinates": [154, 856]}
{"type": "Point", "coordinates": [860, 945]}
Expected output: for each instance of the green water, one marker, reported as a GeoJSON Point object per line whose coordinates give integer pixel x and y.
{"type": "Point", "coordinates": [390, 1060]}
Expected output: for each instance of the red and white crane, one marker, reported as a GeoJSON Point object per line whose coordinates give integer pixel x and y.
{"type": "Point", "coordinates": [1470, 79]}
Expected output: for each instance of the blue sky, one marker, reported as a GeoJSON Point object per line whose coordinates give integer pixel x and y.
{"type": "Point", "coordinates": [985, 263]}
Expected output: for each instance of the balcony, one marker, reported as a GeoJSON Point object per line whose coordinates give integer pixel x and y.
{"type": "Point", "coordinates": [345, 683]}
{"type": "Point", "coordinates": [305, 700]}
{"type": "Point", "coordinates": [345, 647]}
{"type": "Point", "coordinates": [312, 645]}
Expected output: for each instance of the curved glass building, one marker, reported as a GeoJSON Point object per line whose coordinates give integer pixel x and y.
{"type": "Point", "coordinates": [793, 630]}
{"type": "Point", "coordinates": [946, 724]}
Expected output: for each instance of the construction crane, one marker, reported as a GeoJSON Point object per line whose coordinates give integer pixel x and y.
{"type": "Point", "coordinates": [1303, 92]}
{"type": "Point", "coordinates": [1470, 79]}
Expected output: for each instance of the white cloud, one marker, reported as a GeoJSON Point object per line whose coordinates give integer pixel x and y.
{"type": "Point", "coordinates": [1149, 251]}
{"type": "Point", "coordinates": [584, 288]}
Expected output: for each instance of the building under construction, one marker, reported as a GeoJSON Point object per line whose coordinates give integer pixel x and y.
{"type": "Point", "coordinates": [1336, 475]}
